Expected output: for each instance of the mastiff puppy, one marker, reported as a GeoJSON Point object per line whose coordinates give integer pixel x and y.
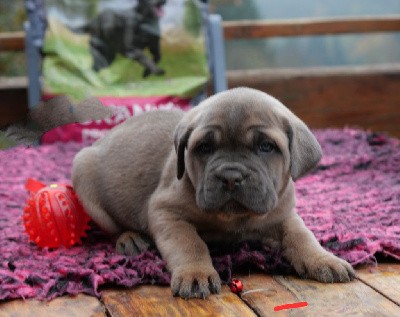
{"type": "Point", "coordinates": [225, 170]}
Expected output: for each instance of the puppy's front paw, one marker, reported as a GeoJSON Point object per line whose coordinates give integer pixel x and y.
{"type": "Point", "coordinates": [132, 243]}
{"type": "Point", "coordinates": [325, 268]}
{"type": "Point", "coordinates": [195, 281]}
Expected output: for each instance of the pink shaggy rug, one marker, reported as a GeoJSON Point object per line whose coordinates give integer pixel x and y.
{"type": "Point", "coordinates": [351, 202]}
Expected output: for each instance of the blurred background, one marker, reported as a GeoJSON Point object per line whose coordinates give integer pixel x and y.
{"type": "Point", "coordinates": [267, 53]}
{"type": "Point", "coordinates": [309, 51]}
{"type": "Point", "coordinates": [12, 17]}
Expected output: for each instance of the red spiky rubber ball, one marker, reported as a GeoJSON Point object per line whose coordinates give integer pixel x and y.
{"type": "Point", "coordinates": [53, 215]}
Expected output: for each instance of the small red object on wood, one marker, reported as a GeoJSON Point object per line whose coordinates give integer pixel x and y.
{"type": "Point", "coordinates": [53, 215]}
{"type": "Point", "coordinates": [236, 286]}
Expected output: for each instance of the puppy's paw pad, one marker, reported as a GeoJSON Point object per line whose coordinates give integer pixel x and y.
{"type": "Point", "coordinates": [132, 243]}
{"type": "Point", "coordinates": [329, 269]}
{"type": "Point", "coordinates": [195, 282]}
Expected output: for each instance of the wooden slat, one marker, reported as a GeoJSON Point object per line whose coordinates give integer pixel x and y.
{"type": "Point", "coordinates": [158, 301]}
{"type": "Point", "coordinates": [263, 293]}
{"type": "Point", "coordinates": [385, 278]}
{"type": "Point", "coordinates": [13, 82]}
{"type": "Point", "coordinates": [366, 97]}
{"type": "Point", "coordinates": [78, 306]}
{"type": "Point", "coordinates": [12, 41]}
{"type": "Point", "coordinates": [300, 27]}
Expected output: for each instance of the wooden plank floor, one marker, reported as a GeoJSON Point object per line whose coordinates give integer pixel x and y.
{"type": "Point", "coordinates": [375, 292]}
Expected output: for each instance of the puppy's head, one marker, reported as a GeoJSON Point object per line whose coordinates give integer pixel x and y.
{"type": "Point", "coordinates": [239, 149]}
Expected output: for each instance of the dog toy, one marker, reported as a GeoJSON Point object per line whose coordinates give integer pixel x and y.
{"type": "Point", "coordinates": [236, 286]}
{"type": "Point", "coordinates": [53, 215]}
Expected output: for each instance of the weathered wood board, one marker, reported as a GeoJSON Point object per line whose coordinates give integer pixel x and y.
{"type": "Point", "coordinates": [385, 279]}
{"type": "Point", "coordinates": [158, 301]}
{"type": "Point", "coordinates": [338, 299]}
{"type": "Point", "coordinates": [66, 306]}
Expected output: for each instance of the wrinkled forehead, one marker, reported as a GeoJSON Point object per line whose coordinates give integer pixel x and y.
{"type": "Point", "coordinates": [239, 122]}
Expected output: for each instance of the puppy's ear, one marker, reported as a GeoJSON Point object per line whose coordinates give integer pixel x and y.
{"type": "Point", "coordinates": [181, 138]}
{"type": "Point", "coordinates": [305, 151]}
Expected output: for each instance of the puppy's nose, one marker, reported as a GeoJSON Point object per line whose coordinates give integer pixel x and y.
{"type": "Point", "coordinates": [231, 179]}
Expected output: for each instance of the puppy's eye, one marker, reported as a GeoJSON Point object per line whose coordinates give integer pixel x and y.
{"type": "Point", "coordinates": [205, 148]}
{"type": "Point", "coordinates": [266, 146]}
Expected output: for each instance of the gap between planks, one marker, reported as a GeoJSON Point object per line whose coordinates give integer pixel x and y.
{"type": "Point", "coordinates": [384, 279]}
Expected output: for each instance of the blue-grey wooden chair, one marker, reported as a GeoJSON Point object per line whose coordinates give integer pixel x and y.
{"type": "Point", "coordinates": [35, 28]}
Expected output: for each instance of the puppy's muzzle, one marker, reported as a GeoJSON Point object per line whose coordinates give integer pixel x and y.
{"type": "Point", "coordinates": [235, 188]}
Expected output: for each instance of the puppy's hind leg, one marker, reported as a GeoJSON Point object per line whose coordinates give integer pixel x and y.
{"type": "Point", "coordinates": [86, 184]}
{"type": "Point", "coordinates": [133, 243]}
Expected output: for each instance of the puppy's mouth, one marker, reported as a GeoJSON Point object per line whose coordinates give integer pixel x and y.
{"type": "Point", "coordinates": [234, 207]}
